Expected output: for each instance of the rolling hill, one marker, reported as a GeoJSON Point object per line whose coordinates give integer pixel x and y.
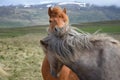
{"type": "Point", "coordinates": [29, 15]}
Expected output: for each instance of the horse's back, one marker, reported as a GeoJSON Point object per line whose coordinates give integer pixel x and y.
{"type": "Point", "coordinates": [112, 62]}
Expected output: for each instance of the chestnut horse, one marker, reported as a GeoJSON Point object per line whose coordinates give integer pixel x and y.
{"type": "Point", "coordinates": [90, 56]}
{"type": "Point", "coordinates": [58, 18]}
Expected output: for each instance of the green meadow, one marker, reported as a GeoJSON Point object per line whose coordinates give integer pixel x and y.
{"type": "Point", "coordinates": [20, 52]}
{"type": "Point", "coordinates": [104, 27]}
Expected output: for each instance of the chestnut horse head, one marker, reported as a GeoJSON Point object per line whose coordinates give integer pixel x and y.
{"type": "Point", "coordinates": [58, 20]}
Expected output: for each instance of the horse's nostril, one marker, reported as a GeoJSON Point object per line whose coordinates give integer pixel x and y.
{"type": "Point", "coordinates": [56, 29]}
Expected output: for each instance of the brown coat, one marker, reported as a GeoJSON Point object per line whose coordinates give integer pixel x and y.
{"type": "Point", "coordinates": [65, 73]}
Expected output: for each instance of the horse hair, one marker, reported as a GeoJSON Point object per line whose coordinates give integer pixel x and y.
{"type": "Point", "coordinates": [88, 55]}
{"type": "Point", "coordinates": [72, 40]}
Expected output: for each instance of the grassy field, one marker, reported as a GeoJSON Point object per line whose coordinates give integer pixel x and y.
{"type": "Point", "coordinates": [20, 52]}
{"type": "Point", "coordinates": [105, 26]}
{"type": "Point", "coordinates": [21, 57]}
{"type": "Point", "coordinates": [13, 32]}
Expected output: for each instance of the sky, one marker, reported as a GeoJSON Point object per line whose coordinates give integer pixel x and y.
{"type": "Point", "coordinates": [28, 2]}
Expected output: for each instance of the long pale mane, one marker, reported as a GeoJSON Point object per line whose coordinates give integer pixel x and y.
{"type": "Point", "coordinates": [72, 41]}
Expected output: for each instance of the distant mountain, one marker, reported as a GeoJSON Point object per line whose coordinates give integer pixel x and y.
{"type": "Point", "coordinates": [29, 15]}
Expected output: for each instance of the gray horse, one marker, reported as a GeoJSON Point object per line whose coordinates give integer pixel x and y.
{"type": "Point", "coordinates": [90, 56]}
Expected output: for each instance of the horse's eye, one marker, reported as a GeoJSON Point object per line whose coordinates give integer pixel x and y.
{"type": "Point", "coordinates": [50, 21]}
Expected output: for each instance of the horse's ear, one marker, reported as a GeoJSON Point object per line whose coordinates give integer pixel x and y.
{"type": "Point", "coordinates": [49, 11]}
{"type": "Point", "coordinates": [64, 10]}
